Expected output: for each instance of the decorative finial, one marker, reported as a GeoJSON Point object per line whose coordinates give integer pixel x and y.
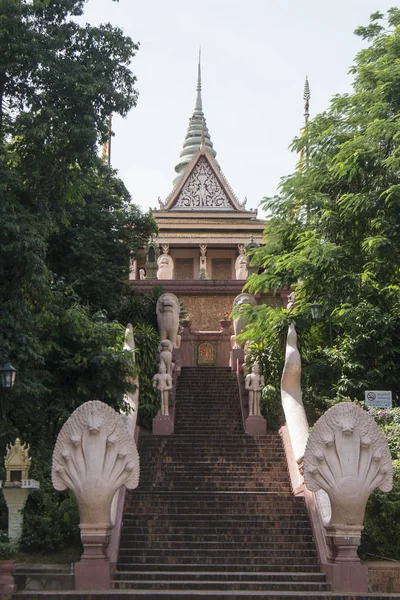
{"type": "Point", "coordinates": [197, 134]}
{"type": "Point", "coordinates": [199, 104]}
{"type": "Point", "coordinates": [307, 97]}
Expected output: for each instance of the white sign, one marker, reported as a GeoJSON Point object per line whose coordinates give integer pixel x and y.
{"type": "Point", "coordinates": [380, 399]}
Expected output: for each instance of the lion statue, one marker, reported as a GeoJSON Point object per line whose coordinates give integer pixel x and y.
{"type": "Point", "coordinates": [165, 267]}
{"type": "Point", "coordinates": [241, 269]}
{"type": "Point", "coordinates": [168, 309]}
{"type": "Point", "coordinates": [239, 322]}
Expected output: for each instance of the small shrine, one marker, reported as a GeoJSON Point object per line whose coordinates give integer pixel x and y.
{"type": "Point", "coordinates": [16, 488]}
{"type": "Point", "coordinates": [17, 463]}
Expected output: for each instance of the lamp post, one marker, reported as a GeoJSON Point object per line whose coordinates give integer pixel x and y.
{"type": "Point", "coordinates": [7, 376]}
{"type": "Point", "coordinates": [316, 312]}
{"type": "Point", "coordinates": [7, 381]}
{"type": "Point", "coordinates": [101, 317]}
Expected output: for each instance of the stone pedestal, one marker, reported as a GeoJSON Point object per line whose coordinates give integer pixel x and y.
{"type": "Point", "coordinates": [163, 425]}
{"type": "Point", "coordinates": [93, 571]}
{"type": "Point", "coordinates": [93, 575]}
{"type": "Point", "coordinates": [345, 572]}
{"type": "Point", "coordinates": [15, 498]}
{"type": "Point", "coordinates": [255, 426]}
{"type": "Point", "coordinates": [343, 543]}
{"type": "Point", "coordinates": [347, 577]}
{"type": "Point", "coordinates": [236, 354]}
{"type": "Point", "coordinates": [7, 584]}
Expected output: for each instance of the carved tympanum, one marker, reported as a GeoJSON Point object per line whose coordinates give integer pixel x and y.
{"type": "Point", "coordinates": [94, 456]}
{"type": "Point", "coordinates": [202, 190]}
{"type": "Point", "coordinates": [347, 456]}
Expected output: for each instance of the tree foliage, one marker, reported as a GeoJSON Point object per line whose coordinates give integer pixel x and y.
{"type": "Point", "coordinates": [69, 230]}
{"type": "Point", "coordinates": [334, 232]}
{"type": "Point", "coordinates": [381, 535]}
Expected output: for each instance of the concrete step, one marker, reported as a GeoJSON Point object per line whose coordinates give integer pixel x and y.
{"type": "Point", "coordinates": [213, 585]}
{"type": "Point", "coordinates": [221, 576]}
{"type": "Point", "coordinates": [175, 594]}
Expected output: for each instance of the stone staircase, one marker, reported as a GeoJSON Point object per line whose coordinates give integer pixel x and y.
{"type": "Point", "coordinates": [214, 514]}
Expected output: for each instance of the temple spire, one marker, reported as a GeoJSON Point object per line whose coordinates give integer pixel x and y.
{"type": "Point", "coordinates": [306, 97]}
{"type": "Point", "coordinates": [197, 135]}
{"type": "Point", "coordinates": [199, 103]}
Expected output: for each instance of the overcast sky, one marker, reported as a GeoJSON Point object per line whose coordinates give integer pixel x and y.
{"type": "Point", "coordinates": [255, 55]}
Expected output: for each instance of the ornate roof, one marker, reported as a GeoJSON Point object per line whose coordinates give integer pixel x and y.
{"type": "Point", "coordinates": [201, 190]}
{"type": "Point", "coordinates": [203, 187]}
{"type": "Point", "coordinates": [197, 133]}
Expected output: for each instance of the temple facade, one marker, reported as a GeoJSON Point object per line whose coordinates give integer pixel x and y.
{"type": "Point", "coordinates": [205, 233]}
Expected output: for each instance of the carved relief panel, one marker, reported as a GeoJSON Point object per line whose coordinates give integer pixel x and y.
{"type": "Point", "coordinates": [202, 190]}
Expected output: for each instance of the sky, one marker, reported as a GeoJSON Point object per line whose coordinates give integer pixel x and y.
{"type": "Point", "coordinates": [255, 56]}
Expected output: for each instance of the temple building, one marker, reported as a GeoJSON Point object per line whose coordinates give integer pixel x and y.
{"type": "Point", "coordinates": [205, 232]}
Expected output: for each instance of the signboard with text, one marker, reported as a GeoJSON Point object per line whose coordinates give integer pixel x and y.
{"type": "Point", "coordinates": [378, 399]}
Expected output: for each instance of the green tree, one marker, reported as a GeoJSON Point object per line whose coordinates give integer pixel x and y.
{"type": "Point", "coordinates": [69, 230]}
{"type": "Point", "coordinates": [334, 232]}
{"type": "Point", "coordinates": [92, 250]}
{"type": "Point", "coordinates": [63, 214]}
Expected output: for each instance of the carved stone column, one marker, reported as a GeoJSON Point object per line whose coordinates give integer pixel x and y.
{"type": "Point", "coordinates": [15, 498]}
{"type": "Point", "coordinates": [203, 262]}
{"type": "Point", "coordinates": [241, 264]}
{"type": "Point", "coordinates": [151, 261]}
{"type": "Point", "coordinates": [165, 264]}
{"type": "Point", "coordinates": [132, 269]}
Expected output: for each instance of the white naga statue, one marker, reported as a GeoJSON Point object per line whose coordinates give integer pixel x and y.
{"type": "Point", "coordinates": [241, 269]}
{"type": "Point", "coordinates": [291, 394]}
{"type": "Point", "coordinates": [239, 321]}
{"type": "Point", "coordinates": [168, 309]}
{"type": "Point", "coordinates": [131, 399]}
{"type": "Point", "coordinates": [165, 348]}
{"type": "Point", "coordinates": [162, 381]}
{"type": "Point", "coordinates": [94, 456]}
{"type": "Point", "coordinates": [165, 267]}
{"type": "Point", "coordinates": [348, 457]}
{"type": "Point", "coordinates": [254, 383]}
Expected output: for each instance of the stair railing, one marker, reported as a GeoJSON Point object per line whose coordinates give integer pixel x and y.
{"type": "Point", "coordinates": [350, 577]}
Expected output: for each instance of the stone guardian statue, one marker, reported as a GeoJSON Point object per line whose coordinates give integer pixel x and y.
{"type": "Point", "coordinates": [162, 381]}
{"type": "Point", "coordinates": [254, 383]}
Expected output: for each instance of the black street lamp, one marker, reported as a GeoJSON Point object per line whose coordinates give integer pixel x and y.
{"type": "Point", "coordinates": [7, 376]}
{"type": "Point", "coordinates": [316, 312]}
{"type": "Point", "coordinates": [101, 316]}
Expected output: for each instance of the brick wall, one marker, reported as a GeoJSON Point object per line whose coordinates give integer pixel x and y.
{"type": "Point", "coordinates": [384, 577]}
{"type": "Point", "coordinates": [206, 311]}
